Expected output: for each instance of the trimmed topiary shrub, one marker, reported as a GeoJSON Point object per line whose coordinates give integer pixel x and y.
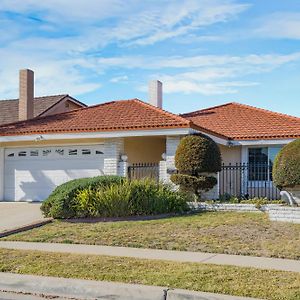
{"type": "Point", "coordinates": [61, 202]}
{"type": "Point", "coordinates": [286, 169]}
{"type": "Point", "coordinates": [114, 197]}
{"type": "Point", "coordinates": [196, 157]}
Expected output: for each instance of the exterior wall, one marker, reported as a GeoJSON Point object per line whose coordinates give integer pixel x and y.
{"type": "Point", "coordinates": [113, 149]}
{"type": "Point", "coordinates": [63, 106]}
{"type": "Point", "coordinates": [1, 174]}
{"type": "Point", "coordinates": [169, 163]}
{"type": "Point", "coordinates": [231, 155]}
{"type": "Point", "coordinates": [144, 149]}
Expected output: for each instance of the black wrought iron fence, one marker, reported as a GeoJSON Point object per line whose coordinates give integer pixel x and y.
{"type": "Point", "coordinates": [247, 181]}
{"type": "Point", "coordinates": [144, 170]}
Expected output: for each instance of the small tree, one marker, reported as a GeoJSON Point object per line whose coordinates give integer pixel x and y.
{"type": "Point", "coordinates": [196, 157]}
{"type": "Point", "coordinates": [286, 169]}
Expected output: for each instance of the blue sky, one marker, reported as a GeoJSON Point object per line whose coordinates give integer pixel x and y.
{"type": "Point", "coordinates": [206, 52]}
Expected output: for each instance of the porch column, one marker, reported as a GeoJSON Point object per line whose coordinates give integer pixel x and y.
{"type": "Point", "coordinates": [169, 163]}
{"type": "Point", "coordinates": [1, 174]}
{"type": "Point", "coordinates": [113, 149]}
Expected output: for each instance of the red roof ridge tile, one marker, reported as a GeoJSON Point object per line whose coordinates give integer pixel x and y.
{"type": "Point", "coordinates": [167, 113]}
{"type": "Point", "coordinates": [84, 120]}
{"type": "Point", "coordinates": [189, 114]}
{"type": "Point", "coordinates": [265, 110]}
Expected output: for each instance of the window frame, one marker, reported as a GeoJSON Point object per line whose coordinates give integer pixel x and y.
{"type": "Point", "coordinates": [269, 180]}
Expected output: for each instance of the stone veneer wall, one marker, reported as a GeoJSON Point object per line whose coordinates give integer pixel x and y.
{"type": "Point", "coordinates": [276, 212]}
{"type": "Point", "coordinates": [1, 174]}
{"type": "Point", "coordinates": [113, 148]}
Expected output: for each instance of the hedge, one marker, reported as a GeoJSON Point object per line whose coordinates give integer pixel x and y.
{"type": "Point", "coordinates": [286, 169]}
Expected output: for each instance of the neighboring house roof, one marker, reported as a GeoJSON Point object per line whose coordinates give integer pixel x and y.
{"type": "Point", "coordinates": [243, 122]}
{"type": "Point", "coordinates": [111, 116]}
{"type": "Point", "coordinates": [9, 109]}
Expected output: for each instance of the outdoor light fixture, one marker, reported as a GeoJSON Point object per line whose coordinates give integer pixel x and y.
{"type": "Point", "coordinates": [164, 156]}
{"type": "Point", "coordinates": [124, 157]}
{"type": "Point", "coordinates": [230, 144]}
{"type": "Point", "coordinates": [39, 138]}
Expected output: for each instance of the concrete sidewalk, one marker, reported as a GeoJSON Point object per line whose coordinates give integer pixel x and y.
{"type": "Point", "coordinates": [179, 256]}
{"type": "Point", "coordinates": [90, 289]}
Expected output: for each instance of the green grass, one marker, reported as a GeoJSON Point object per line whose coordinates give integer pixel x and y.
{"type": "Point", "coordinates": [230, 232]}
{"type": "Point", "coordinates": [230, 280]}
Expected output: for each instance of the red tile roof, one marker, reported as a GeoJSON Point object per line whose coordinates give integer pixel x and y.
{"type": "Point", "coordinates": [111, 116]}
{"type": "Point", "coordinates": [243, 122]}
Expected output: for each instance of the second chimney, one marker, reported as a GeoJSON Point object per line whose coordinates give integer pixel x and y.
{"type": "Point", "coordinates": [26, 94]}
{"type": "Point", "coordinates": [155, 93]}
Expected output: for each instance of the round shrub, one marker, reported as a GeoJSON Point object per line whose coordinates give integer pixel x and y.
{"type": "Point", "coordinates": [197, 154]}
{"type": "Point", "coordinates": [188, 182]}
{"type": "Point", "coordinates": [196, 157]}
{"type": "Point", "coordinates": [61, 202]}
{"type": "Point", "coordinates": [286, 169]}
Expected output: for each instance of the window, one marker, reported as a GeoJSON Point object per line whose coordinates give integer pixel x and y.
{"type": "Point", "coordinates": [46, 152]}
{"type": "Point", "coordinates": [60, 151]}
{"type": "Point", "coordinates": [22, 153]}
{"type": "Point", "coordinates": [86, 151]}
{"type": "Point", "coordinates": [261, 161]}
{"type": "Point", "coordinates": [73, 152]}
{"type": "Point", "coordinates": [34, 153]}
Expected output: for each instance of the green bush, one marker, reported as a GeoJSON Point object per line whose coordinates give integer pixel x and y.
{"type": "Point", "coordinates": [61, 202]}
{"type": "Point", "coordinates": [286, 169]}
{"type": "Point", "coordinates": [259, 202]}
{"type": "Point", "coordinates": [119, 198]}
{"type": "Point", "coordinates": [197, 154]}
{"type": "Point", "coordinates": [196, 157]}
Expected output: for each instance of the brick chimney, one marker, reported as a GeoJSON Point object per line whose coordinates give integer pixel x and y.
{"type": "Point", "coordinates": [155, 93]}
{"type": "Point", "coordinates": [26, 94]}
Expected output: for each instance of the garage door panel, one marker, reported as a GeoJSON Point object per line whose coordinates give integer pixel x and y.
{"type": "Point", "coordinates": [34, 178]}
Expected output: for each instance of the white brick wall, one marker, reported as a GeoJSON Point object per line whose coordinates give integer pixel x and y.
{"type": "Point", "coordinates": [171, 146]}
{"type": "Point", "coordinates": [285, 214]}
{"type": "Point", "coordinates": [275, 211]}
{"type": "Point", "coordinates": [1, 174]}
{"type": "Point", "coordinates": [123, 169]}
{"type": "Point", "coordinates": [113, 148]}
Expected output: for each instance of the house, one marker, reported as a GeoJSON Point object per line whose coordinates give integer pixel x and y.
{"type": "Point", "coordinates": [38, 154]}
{"type": "Point", "coordinates": [27, 107]}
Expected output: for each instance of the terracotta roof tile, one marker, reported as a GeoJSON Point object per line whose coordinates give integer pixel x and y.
{"type": "Point", "coordinates": [243, 122]}
{"type": "Point", "coordinates": [112, 116]}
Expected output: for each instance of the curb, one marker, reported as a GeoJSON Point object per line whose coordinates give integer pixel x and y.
{"type": "Point", "coordinates": [25, 227]}
{"type": "Point", "coordinates": [91, 289]}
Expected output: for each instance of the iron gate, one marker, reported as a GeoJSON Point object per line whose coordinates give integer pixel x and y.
{"type": "Point", "coordinates": [247, 181]}
{"type": "Point", "coordinates": [144, 170]}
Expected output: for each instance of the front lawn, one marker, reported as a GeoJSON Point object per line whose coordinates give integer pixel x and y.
{"type": "Point", "coordinates": [228, 232]}
{"type": "Point", "coordinates": [230, 280]}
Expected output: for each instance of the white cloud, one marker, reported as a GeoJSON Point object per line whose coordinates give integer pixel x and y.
{"type": "Point", "coordinates": [56, 37]}
{"type": "Point", "coordinates": [119, 79]}
{"type": "Point", "coordinates": [280, 25]}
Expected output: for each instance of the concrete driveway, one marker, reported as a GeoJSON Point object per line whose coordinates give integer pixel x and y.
{"type": "Point", "coordinates": [14, 215]}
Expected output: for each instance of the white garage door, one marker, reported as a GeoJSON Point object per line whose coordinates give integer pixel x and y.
{"type": "Point", "coordinates": [31, 174]}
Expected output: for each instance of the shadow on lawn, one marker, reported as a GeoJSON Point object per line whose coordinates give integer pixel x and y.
{"type": "Point", "coordinates": [126, 219]}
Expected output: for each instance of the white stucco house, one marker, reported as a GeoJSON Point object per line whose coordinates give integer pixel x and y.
{"type": "Point", "coordinates": [40, 153]}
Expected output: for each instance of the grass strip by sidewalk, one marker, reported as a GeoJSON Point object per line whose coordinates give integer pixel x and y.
{"type": "Point", "coordinates": [239, 281]}
{"type": "Point", "coordinates": [216, 232]}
